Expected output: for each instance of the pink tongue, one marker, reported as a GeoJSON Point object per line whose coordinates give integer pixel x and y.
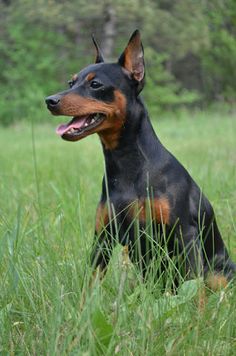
{"type": "Point", "coordinates": [74, 123]}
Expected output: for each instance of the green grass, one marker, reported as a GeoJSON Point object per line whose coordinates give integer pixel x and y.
{"type": "Point", "coordinates": [49, 190]}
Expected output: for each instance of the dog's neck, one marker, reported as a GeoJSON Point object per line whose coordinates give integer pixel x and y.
{"type": "Point", "coordinates": [138, 145]}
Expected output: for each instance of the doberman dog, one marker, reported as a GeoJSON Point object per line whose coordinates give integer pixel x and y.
{"type": "Point", "coordinates": [144, 184]}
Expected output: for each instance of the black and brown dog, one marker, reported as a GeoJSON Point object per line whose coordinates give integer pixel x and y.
{"type": "Point", "coordinates": [143, 181]}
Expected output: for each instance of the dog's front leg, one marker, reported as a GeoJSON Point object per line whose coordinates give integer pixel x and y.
{"type": "Point", "coordinates": [101, 252]}
{"type": "Point", "coordinates": [100, 256]}
{"type": "Point", "coordinates": [103, 240]}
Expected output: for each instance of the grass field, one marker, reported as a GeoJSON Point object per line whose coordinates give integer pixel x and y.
{"type": "Point", "coordinates": [49, 190]}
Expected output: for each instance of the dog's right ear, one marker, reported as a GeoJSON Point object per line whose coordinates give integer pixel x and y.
{"type": "Point", "coordinates": [99, 58]}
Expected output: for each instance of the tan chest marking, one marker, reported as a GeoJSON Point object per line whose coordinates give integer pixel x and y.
{"type": "Point", "coordinates": [157, 209]}
{"type": "Point", "coordinates": [102, 217]}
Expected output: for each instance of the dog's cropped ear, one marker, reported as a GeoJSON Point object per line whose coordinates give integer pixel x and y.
{"type": "Point", "coordinates": [132, 59]}
{"type": "Point", "coordinates": [99, 58]}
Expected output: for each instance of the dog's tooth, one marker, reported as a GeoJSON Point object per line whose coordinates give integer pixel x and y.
{"type": "Point", "coordinates": [86, 124]}
{"type": "Point", "coordinates": [92, 121]}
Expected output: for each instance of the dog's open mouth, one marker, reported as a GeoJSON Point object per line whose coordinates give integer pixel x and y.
{"type": "Point", "coordinates": [79, 126]}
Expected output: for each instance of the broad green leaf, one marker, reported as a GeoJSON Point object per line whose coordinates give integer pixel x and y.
{"type": "Point", "coordinates": [189, 289]}
{"type": "Point", "coordinates": [102, 329]}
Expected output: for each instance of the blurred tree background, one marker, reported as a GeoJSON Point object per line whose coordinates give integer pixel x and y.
{"type": "Point", "coordinates": [190, 49]}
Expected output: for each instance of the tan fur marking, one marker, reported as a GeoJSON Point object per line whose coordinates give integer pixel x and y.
{"type": "Point", "coordinates": [90, 76]}
{"type": "Point", "coordinates": [142, 210]}
{"type": "Point", "coordinates": [216, 281]}
{"type": "Point", "coordinates": [109, 130]}
{"type": "Point", "coordinates": [102, 217]}
{"type": "Point", "coordinates": [160, 210]}
{"type": "Point", "coordinates": [76, 105]}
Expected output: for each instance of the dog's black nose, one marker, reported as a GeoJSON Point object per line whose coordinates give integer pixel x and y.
{"type": "Point", "coordinates": [52, 101]}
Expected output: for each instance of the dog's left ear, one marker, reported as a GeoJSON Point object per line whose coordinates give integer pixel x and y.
{"type": "Point", "coordinates": [132, 59]}
{"type": "Point", "coordinates": [99, 57]}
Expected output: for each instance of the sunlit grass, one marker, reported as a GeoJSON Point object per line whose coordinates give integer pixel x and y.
{"type": "Point", "coordinates": [49, 190]}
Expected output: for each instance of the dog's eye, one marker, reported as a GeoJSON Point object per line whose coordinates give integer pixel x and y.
{"type": "Point", "coordinates": [95, 84]}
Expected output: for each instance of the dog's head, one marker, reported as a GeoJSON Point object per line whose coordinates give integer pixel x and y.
{"type": "Point", "coordinates": [98, 95]}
